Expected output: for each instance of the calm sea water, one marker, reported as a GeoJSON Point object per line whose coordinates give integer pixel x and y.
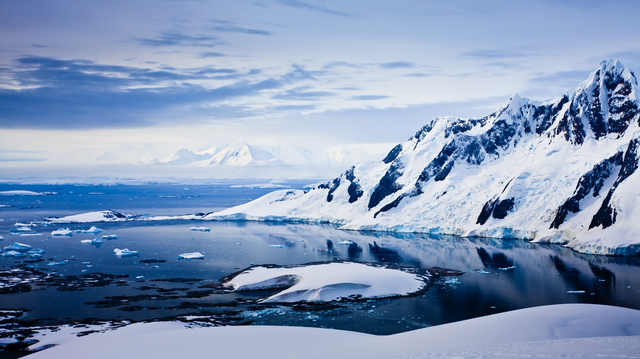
{"type": "Point", "coordinates": [499, 275]}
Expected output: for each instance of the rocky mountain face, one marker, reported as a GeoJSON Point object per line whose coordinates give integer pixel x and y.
{"type": "Point", "coordinates": [562, 171]}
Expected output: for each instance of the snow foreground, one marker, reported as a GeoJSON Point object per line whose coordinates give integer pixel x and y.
{"type": "Point", "coordinates": [562, 171]}
{"type": "Point", "coordinates": [565, 330]}
{"type": "Point", "coordinates": [328, 281]}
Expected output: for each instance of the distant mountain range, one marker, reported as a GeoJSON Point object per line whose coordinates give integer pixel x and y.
{"type": "Point", "coordinates": [561, 171]}
{"type": "Point", "coordinates": [243, 160]}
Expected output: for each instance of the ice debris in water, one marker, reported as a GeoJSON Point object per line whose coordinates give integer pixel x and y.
{"type": "Point", "coordinates": [35, 252]}
{"type": "Point", "coordinates": [56, 263]}
{"type": "Point", "coordinates": [20, 230]}
{"type": "Point", "coordinates": [19, 247]}
{"type": "Point", "coordinates": [575, 292]}
{"type": "Point", "coordinates": [193, 255]}
{"type": "Point", "coordinates": [125, 252]}
{"type": "Point", "coordinates": [110, 236]}
{"type": "Point", "coordinates": [15, 254]}
{"type": "Point", "coordinates": [277, 246]}
{"type": "Point", "coordinates": [453, 281]}
{"type": "Point", "coordinates": [200, 229]}
{"type": "Point", "coordinates": [93, 229]}
{"type": "Point", "coordinates": [346, 242]}
{"type": "Point", "coordinates": [62, 232]}
{"type": "Point", "coordinates": [92, 241]}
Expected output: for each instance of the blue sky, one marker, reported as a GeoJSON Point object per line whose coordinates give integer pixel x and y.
{"type": "Point", "coordinates": [139, 78]}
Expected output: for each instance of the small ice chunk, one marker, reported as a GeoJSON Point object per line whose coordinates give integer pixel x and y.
{"type": "Point", "coordinates": [200, 229]}
{"type": "Point", "coordinates": [193, 255]}
{"type": "Point", "coordinates": [20, 229]}
{"type": "Point", "coordinates": [277, 246]}
{"type": "Point", "coordinates": [35, 253]}
{"type": "Point", "coordinates": [19, 247]}
{"type": "Point", "coordinates": [93, 230]}
{"type": "Point", "coordinates": [140, 277]}
{"type": "Point", "coordinates": [110, 237]}
{"type": "Point", "coordinates": [92, 241]}
{"type": "Point", "coordinates": [1, 238]}
{"type": "Point", "coordinates": [453, 281]}
{"type": "Point", "coordinates": [575, 292]}
{"type": "Point", "coordinates": [12, 254]}
{"type": "Point", "coordinates": [346, 242]}
{"type": "Point", "coordinates": [62, 232]}
{"type": "Point", "coordinates": [56, 263]}
{"type": "Point", "coordinates": [125, 252]}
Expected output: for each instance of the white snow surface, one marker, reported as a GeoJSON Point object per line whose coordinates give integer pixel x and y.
{"type": "Point", "coordinates": [538, 172]}
{"type": "Point", "coordinates": [21, 193]}
{"type": "Point", "coordinates": [555, 331]}
{"type": "Point", "coordinates": [90, 217]}
{"type": "Point", "coordinates": [192, 255]}
{"type": "Point", "coordinates": [327, 282]}
{"type": "Point", "coordinates": [62, 232]}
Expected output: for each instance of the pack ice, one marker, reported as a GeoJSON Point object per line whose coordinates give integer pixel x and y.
{"type": "Point", "coordinates": [561, 171]}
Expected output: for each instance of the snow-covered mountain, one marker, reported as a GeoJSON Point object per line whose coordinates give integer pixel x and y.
{"type": "Point", "coordinates": [184, 156]}
{"type": "Point", "coordinates": [562, 171]}
{"type": "Point", "coordinates": [240, 154]}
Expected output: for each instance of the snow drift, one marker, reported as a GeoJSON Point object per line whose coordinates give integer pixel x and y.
{"type": "Point", "coordinates": [561, 171]}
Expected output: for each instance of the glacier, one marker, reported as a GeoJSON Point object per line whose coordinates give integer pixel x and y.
{"type": "Point", "coordinates": [561, 171]}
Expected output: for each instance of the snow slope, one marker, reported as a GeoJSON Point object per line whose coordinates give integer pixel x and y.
{"type": "Point", "coordinates": [562, 171]}
{"type": "Point", "coordinates": [566, 330]}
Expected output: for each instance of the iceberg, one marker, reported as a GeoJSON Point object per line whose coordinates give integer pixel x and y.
{"type": "Point", "coordinates": [19, 230]}
{"type": "Point", "coordinates": [93, 230]}
{"type": "Point", "coordinates": [21, 193]}
{"type": "Point", "coordinates": [193, 255]}
{"type": "Point", "coordinates": [125, 252]}
{"type": "Point", "coordinates": [95, 241]}
{"type": "Point", "coordinates": [200, 229]}
{"type": "Point", "coordinates": [110, 237]}
{"type": "Point", "coordinates": [36, 252]}
{"type": "Point", "coordinates": [62, 232]}
{"type": "Point", "coordinates": [20, 247]}
{"type": "Point", "coordinates": [277, 246]}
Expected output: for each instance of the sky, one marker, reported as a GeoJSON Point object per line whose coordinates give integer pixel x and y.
{"type": "Point", "coordinates": [84, 80]}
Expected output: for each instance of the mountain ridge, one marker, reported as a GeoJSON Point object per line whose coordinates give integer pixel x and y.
{"type": "Point", "coordinates": [558, 171]}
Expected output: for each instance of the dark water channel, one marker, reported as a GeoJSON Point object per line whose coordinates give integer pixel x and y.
{"type": "Point", "coordinates": [499, 275]}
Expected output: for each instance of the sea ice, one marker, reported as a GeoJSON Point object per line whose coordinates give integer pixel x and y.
{"type": "Point", "coordinates": [110, 237]}
{"type": "Point", "coordinates": [277, 246]}
{"type": "Point", "coordinates": [15, 254]}
{"type": "Point", "coordinates": [93, 230]}
{"type": "Point", "coordinates": [62, 232]}
{"type": "Point", "coordinates": [19, 230]}
{"type": "Point", "coordinates": [193, 255]}
{"type": "Point", "coordinates": [21, 193]}
{"type": "Point", "coordinates": [92, 241]}
{"type": "Point", "coordinates": [125, 252]}
{"type": "Point", "coordinates": [200, 229]}
{"type": "Point", "coordinates": [35, 252]}
{"type": "Point", "coordinates": [20, 247]}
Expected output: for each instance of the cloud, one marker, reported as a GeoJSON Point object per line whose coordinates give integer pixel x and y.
{"type": "Point", "coordinates": [495, 54]}
{"type": "Point", "coordinates": [300, 93]}
{"type": "Point", "coordinates": [39, 46]}
{"type": "Point", "coordinates": [339, 64]}
{"type": "Point", "coordinates": [178, 39]}
{"type": "Point", "coordinates": [84, 94]}
{"type": "Point", "coordinates": [294, 107]}
{"type": "Point", "coordinates": [306, 6]}
{"type": "Point", "coordinates": [203, 55]}
{"type": "Point", "coordinates": [240, 30]}
{"type": "Point", "coordinates": [368, 97]}
{"type": "Point", "coordinates": [417, 74]}
{"type": "Point", "coordinates": [300, 73]}
{"type": "Point", "coordinates": [396, 65]}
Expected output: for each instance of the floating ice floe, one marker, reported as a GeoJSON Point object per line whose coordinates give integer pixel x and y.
{"type": "Point", "coordinates": [56, 263]}
{"type": "Point", "coordinates": [200, 229]}
{"type": "Point", "coordinates": [110, 237]}
{"type": "Point", "coordinates": [193, 255]}
{"type": "Point", "coordinates": [576, 292]}
{"type": "Point", "coordinates": [277, 246]}
{"type": "Point", "coordinates": [93, 230]}
{"type": "Point", "coordinates": [19, 224]}
{"type": "Point", "coordinates": [35, 252]}
{"type": "Point", "coordinates": [92, 241]}
{"type": "Point", "coordinates": [20, 230]}
{"type": "Point", "coordinates": [62, 232]}
{"type": "Point", "coordinates": [125, 252]}
{"type": "Point", "coordinates": [327, 282]}
{"type": "Point", "coordinates": [22, 193]}
{"type": "Point", "coordinates": [1, 238]}
{"type": "Point", "coordinates": [15, 254]}
{"type": "Point", "coordinates": [20, 247]}
{"type": "Point", "coordinates": [346, 242]}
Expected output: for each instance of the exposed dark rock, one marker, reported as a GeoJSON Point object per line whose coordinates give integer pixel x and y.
{"type": "Point", "coordinates": [334, 185]}
{"type": "Point", "coordinates": [387, 184]}
{"type": "Point", "coordinates": [354, 190]}
{"type": "Point", "coordinates": [390, 205]}
{"type": "Point", "coordinates": [590, 183]}
{"type": "Point", "coordinates": [393, 154]}
{"type": "Point", "coordinates": [329, 245]}
{"type": "Point", "coordinates": [487, 209]}
{"type": "Point", "coordinates": [503, 208]}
